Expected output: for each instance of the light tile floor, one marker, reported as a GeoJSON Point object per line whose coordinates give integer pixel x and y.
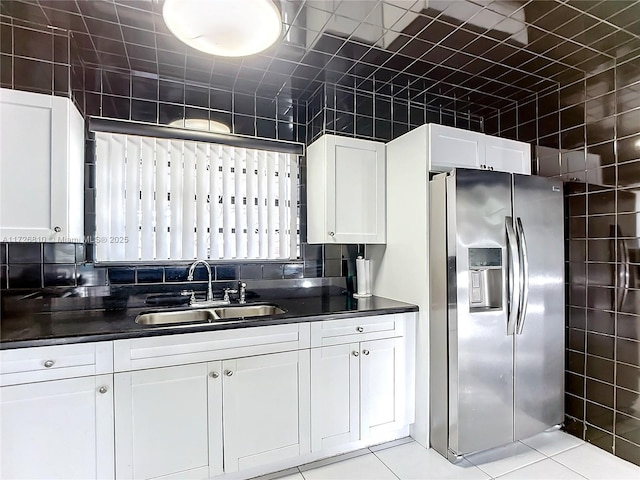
{"type": "Point", "coordinates": [550, 455]}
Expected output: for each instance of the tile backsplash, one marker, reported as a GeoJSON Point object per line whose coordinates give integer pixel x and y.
{"type": "Point", "coordinates": [44, 265]}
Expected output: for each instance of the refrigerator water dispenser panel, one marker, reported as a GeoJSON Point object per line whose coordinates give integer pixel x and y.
{"type": "Point", "coordinates": [485, 279]}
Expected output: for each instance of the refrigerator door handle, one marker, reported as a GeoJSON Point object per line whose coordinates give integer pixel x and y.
{"type": "Point", "coordinates": [524, 272]}
{"type": "Point", "coordinates": [513, 268]}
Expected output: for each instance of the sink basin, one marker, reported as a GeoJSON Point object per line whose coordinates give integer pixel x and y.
{"type": "Point", "coordinates": [207, 315]}
{"type": "Point", "coordinates": [247, 311]}
{"type": "Point", "coordinates": [182, 316]}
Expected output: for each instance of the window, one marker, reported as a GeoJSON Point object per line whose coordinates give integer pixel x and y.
{"type": "Point", "coordinates": [169, 199]}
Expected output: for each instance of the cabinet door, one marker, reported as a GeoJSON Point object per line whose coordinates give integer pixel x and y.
{"type": "Point", "coordinates": [382, 383]}
{"type": "Point", "coordinates": [266, 409]}
{"type": "Point", "coordinates": [335, 396]}
{"type": "Point", "coordinates": [507, 155]}
{"type": "Point", "coordinates": [41, 168]}
{"type": "Point", "coordinates": [161, 422]}
{"type": "Point", "coordinates": [61, 429]}
{"type": "Point", "coordinates": [355, 191]}
{"type": "Point", "coordinates": [216, 461]}
{"type": "Point", "coordinates": [452, 147]}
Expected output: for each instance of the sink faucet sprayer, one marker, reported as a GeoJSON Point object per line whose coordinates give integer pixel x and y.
{"type": "Point", "coordinates": [241, 291]}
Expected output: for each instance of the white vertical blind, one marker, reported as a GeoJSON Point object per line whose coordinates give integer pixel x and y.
{"type": "Point", "coordinates": [117, 214]}
{"type": "Point", "coordinates": [175, 200]}
{"type": "Point", "coordinates": [215, 217]}
{"type": "Point", "coordinates": [103, 200]}
{"type": "Point", "coordinates": [263, 240]}
{"type": "Point", "coordinates": [228, 219]}
{"type": "Point", "coordinates": [202, 194]}
{"type": "Point", "coordinates": [252, 204]}
{"type": "Point", "coordinates": [147, 189]}
{"type": "Point", "coordinates": [189, 201]}
{"type": "Point", "coordinates": [162, 214]}
{"type": "Point", "coordinates": [132, 196]}
{"type": "Point", "coordinates": [162, 199]}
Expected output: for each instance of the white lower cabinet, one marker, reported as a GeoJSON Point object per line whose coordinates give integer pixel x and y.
{"type": "Point", "coordinates": [161, 426]}
{"type": "Point", "coordinates": [359, 391]}
{"type": "Point", "coordinates": [335, 396]}
{"type": "Point", "coordinates": [192, 406]}
{"type": "Point", "coordinates": [60, 429]}
{"type": "Point", "coordinates": [382, 387]}
{"type": "Point", "coordinates": [265, 409]}
{"type": "Point", "coordinates": [176, 422]}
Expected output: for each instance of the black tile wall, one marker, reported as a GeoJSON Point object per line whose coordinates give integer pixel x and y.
{"type": "Point", "coordinates": [587, 128]}
{"type": "Point", "coordinates": [375, 115]}
{"type": "Point", "coordinates": [598, 127]}
{"type": "Point", "coordinates": [154, 99]}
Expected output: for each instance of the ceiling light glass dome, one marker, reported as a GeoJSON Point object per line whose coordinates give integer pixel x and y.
{"type": "Point", "coordinates": [228, 28]}
{"type": "Point", "coordinates": [201, 124]}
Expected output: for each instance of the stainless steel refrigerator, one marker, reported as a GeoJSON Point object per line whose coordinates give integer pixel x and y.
{"type": "Point", "coordinates": [496, 320]}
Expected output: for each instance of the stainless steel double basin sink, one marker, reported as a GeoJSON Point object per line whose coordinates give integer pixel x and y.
{"type": "Point", "coordinates": [208, 315]}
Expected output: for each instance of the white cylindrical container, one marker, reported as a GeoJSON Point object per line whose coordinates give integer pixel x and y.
{"type": "Point", "coordinates": [362, 278]}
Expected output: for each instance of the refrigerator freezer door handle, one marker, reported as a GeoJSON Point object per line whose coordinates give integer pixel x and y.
{"type": "Point", "coordinates": [524, 273]}
{"type": "Point", "coordinates": [513, 275]}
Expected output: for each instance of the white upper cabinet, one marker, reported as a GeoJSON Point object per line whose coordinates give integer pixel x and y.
{"type": "Point", "coordinates": [445, 148]}
{"type": "Point", "coordinates": [507, 155]}
{"type": "Point", "coordinates": [346, 191]}
{"type": "Point", "coordinates": [41, 168]}
{"type": "Point", "coordinates": [453, 147]}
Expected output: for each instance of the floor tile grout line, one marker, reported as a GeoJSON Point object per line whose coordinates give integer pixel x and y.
{"type": "Point", "coordinates": [533, 463]}
{"type": "Point", "coordinates": [387, 466]}
{"type": "Point", "coordinates": [557, 453]}
{"type": "Point", "coordinates": [515, 469]}
{"type": "Point", "coordinates": [565, 466]}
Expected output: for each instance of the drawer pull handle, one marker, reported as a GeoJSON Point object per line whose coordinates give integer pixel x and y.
{"type": "Point", "coordinates": [49, 363]}
{"type": "Point", "coordinates": [360, 329]}
{"type": "Point", "coordinates": [365, 352]}
{"type": "Point", "coordinates": [103, 389]}
{"type": "Point", "coordinates": [228, 373]}
{"type": "Point", "coordinates": [354, 353]}
{"type": "Point", "coordinates": [214, 374]}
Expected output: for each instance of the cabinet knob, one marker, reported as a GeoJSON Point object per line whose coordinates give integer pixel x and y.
{"type": "Point", "coordinates": [331, 234]}
{"type": "Point", "coordinates": [214, 374]}
{"type": "Point", "coordinates": [359, 329]}
{"type": "Point", "coordinates": [57, 229]}
{"type": "Point", "coordinates": [49, 363]}
{"type": "Point", "coordinates": [365, 352]}
{"type": "Point", "coordinates": [228, 373]}
{"type": "Point", "coordinates": [354, 353]}
{"type": "Point", "coordinates": [103, 389]}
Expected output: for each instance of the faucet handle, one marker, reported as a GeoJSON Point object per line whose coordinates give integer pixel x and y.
{"type": "Point", "coordinates": [227, 291]}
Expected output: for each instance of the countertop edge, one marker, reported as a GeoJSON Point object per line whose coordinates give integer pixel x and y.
{"type": "Point", "coordinates": [173, 330]}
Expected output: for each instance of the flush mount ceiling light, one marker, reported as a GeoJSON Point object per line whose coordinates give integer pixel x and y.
{"type": "Point", "coordinates": [228, 28]}
{"type": "Point", "coordinates": [201, 124]}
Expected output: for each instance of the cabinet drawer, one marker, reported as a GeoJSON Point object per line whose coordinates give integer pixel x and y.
{"type": "Point", "coordinates": [37, 364]}
{"type": "Point", "coordinates": [151, 352]}
{"type": "Point", "coordinates": [334, 332]}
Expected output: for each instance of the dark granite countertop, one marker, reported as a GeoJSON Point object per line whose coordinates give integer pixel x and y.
{"type": "Point", "coordinates": [31, 323]}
